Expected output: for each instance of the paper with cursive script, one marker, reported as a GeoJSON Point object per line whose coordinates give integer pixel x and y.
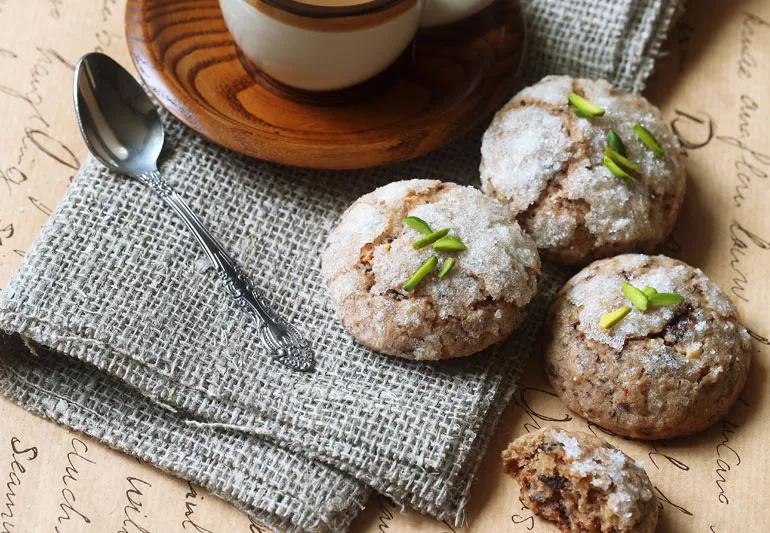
{"type": "Point", "coordinates": [713, 89]}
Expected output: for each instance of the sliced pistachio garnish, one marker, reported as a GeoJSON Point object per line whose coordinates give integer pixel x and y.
{"type": "Point", "coordinates": [649, 140]}
{"type": "Point", "coordinates": [450, 243]}
{"type": "Point", "coordinates": [616, 143]}
{"type": "Point", "coordinates": [584, 108]}
{"type": "Point", "coordinates": [418, 224]}
{"type": "Point", "coordinates": [622, 161]}
{"type": "Point", "coordinates": [429, 239]}
{"type": "Point", "coordinates": [423, 271]}
{"type": "Point", "coordinates": [615, 169]}
{"type": "Point", "coordinates": [613, 317]}
{"type": "Point", "coordinates": [642, 299]}
{"type": "Point", "coordinates": [446, 266]}
{"type": "Point", "coordinates": [636, 296]}
{"type": "Point", "coordinates": [649, 291]}
{"type": "Point", "coordinates": [665, 299]}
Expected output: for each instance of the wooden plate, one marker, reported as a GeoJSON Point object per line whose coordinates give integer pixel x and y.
{"type": "Point", "coordinates": [450, 79]}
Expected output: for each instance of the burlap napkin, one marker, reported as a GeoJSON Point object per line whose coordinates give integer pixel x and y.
{"type": "Point", "coordinates": [145, 351]}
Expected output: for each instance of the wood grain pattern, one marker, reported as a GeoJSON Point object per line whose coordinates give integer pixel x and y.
{"type": "Point", "coordinates": [450, 79]}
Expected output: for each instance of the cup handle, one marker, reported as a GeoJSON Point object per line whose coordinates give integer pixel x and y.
{"type": "Point", "coordinates": [437, 12]}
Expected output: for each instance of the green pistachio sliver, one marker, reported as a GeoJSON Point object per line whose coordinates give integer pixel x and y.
{"type": "Point", "coordinates": [613, 317]}
{"type": "Point", "coordinates": [429, 239]}
{"type": "Point", "coordinates": [637, 297]}
{"type": "Point", "coordinates": [583, 107]}
{"type": "Point", "coordinates": [583, 114]}
{"type": "Point", "coordinates": [622, 161]}
{"type": "Point", "coordinates": [665, 299]}
{"type": "Point", "coordinates": [423, 271]}
{"type": "Point", "coordinates": [450, 243]}
{"type": "Point", "coordinates": [649, 291]}
{"type": "Point", "coordinates": [649, 140]}
{"type": "Point", "coordinates": [616, 143]}
{"type": "Point", "coordinates": [446, 266]}
{"type": "Point", "coordinates": [615, 169]}
{"type": "Point", "coordinates": [418, 224]}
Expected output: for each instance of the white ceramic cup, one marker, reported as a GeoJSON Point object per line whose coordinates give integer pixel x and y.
{"type": "Point", "coordinates": [323, 45]}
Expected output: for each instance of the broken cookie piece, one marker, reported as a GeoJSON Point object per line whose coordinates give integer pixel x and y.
{"type": "Point", "coordinates": [581, 483]}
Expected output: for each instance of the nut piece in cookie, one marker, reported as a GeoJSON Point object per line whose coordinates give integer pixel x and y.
{"type": "Point", "coordinates": [581, 482]}
{"type": "Point", "coordinates": [567, 158]}
{"type": "Point", "coordinates": [671, 366]}
{"type": "Point", "coordinates": [447, 282]}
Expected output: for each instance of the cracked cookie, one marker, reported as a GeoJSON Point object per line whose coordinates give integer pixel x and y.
{"type": "Point", "coordinates": [666, 371]}
{"type": "Point", "coordinates": [370, 257]}
{"type": "Point", "coordinates": [546, 162]}
{"type": "Point", "coordinates": [581, 482]}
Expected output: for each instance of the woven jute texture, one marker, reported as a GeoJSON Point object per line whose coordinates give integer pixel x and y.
{"type": "Point", "coordinates": [235, 466]}
{"type": "Point", "coordinates": [142, 348]}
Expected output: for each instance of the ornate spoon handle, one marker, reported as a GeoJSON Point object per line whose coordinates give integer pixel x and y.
{"type": "Point", "coordinates": [281, 338]}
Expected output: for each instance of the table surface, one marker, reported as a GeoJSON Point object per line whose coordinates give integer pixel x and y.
{"type": "Point", "coordinates": [713, 90]}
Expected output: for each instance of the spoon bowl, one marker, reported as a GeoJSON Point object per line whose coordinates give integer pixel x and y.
{"type": "Point", "coordinates": [119, 122]}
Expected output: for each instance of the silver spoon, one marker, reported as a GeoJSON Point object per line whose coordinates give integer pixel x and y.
{"type": "Point", "coordinates": [122, 129]}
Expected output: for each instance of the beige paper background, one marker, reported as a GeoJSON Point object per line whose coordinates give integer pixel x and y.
{"type": "Point", "coordinates": [714, 88]}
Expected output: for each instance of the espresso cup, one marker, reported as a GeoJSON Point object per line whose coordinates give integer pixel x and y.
{"type": "Point", "coordinates": [324, 45]}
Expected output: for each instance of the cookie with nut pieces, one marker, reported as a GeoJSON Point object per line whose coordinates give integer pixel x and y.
{"type": "Point", "coordinates": [401, 290]}
{"type": "Point", "coordinates": [588, 171]}
{"type": "Point", "coordinates": [646, 347]}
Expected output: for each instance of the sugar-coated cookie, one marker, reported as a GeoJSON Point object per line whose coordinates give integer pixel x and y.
{"type": "Point", "coordinates": [581, 482]}
{"type": "Point", "coordinates": [670, 370]}
{"type": "Point", "coordinates": [546, 162]}
{"type": "Point", "coordinates": [370, 259]}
